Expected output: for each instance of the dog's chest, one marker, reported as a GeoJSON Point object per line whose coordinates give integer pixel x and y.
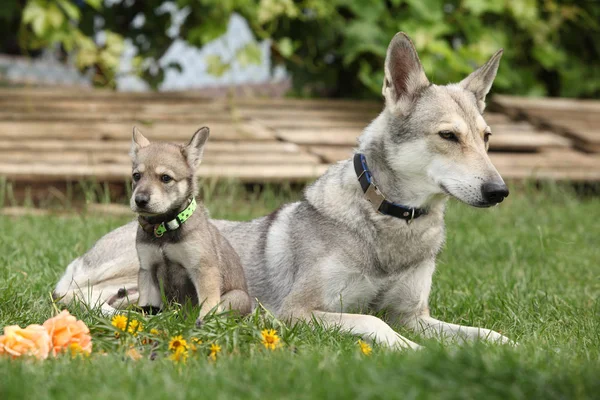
{"type": "Point", "coordinates": [399, 247]}
{"type": "Point", "coordinates": [169, 264]}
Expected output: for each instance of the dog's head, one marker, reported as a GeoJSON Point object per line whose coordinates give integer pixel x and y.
{"type": "Point", "coordinates": [437, 134]}
{"type": "Point", "coordinates": [164, 174]}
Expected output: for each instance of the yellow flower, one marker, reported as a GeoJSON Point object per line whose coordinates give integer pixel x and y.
{"type": "Point", "coordinates": [270, 339]}
{"type": "Point", "coordinates": [177, 342]}
{"type": "Point", "coordinates": [135, 326]}
{"type": "Point", "coordinates": [119, 322]}
{"type": "Point", "coordinates": [195, 343]}
{"type": "Point", "coordinates": [154, 332]}
{"type": "Point", "coordinates": [365, 348]}
{"type": "Point", "coordinates": [179, 355]}
{"type": "Point", "coordinates": [214, 349]}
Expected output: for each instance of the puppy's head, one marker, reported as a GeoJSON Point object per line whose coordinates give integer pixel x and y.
{"type": "Point", "coordinates": [164, 174]}
{"type": "Point", "coordinates": [437, 133]}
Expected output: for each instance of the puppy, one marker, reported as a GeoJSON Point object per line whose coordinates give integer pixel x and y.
{"type": "Point", "coordinates": [181, 253]}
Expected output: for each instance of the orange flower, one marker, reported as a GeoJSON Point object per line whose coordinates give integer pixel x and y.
{"type": "Point", "coordinates": [64, 330]}
{"type": "Point", "coordinates": [33, 340]}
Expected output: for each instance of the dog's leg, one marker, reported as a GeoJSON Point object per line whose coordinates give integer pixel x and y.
{"type": "Point", "coordinates": [431, 327]}
{"type": "Point", "coordinates": [407, 302]}
{"type": "Point", "coordinates": [367, 326]}
{"type": "Point", "coordinates": [207, 281]}
{"type": "Point", "coordinates": [237, 300]}
{"type": "Point", "coordinates": [149, 292]}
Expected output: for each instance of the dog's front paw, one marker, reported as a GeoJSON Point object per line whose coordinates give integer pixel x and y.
{"type": "Point", "coordinates": [199, 322]}
{"type": "Point", "coordinates": [495, 337]}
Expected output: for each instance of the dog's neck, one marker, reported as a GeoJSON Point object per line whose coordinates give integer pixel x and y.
{"type": "Point", "coordinates": [408, 189]}
{"type": "Point", "coordinates": [168, 216]}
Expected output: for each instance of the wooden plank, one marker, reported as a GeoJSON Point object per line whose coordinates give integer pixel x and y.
{"type": "Point", "coordinates": [578, 120]}
{"type": "Point", "coordinates": [41, 172]}
{"type": "Point", "coordinates": [110, 130]}
{"type": "Point", "coordinates": [558, 104]}
{"type": "Point", "coordinates": [501, 140]}
{"type": "Point", "coordinates": [331, 154]}
{"type": "Point", "coordinates": [299, 114]}
{"type": "Point", "coordinates": [122, 158]}
{"type": "Point", "coordinates": [122, 146]}
{"type": "Point", "coordinates": [563, 160]}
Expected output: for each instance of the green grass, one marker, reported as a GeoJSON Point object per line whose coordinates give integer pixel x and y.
{"type": "Point", "coordinates": [529, 268]}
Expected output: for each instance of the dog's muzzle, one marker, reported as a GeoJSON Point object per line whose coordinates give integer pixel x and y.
{"type": "Point", "coordinates": [494, 193]}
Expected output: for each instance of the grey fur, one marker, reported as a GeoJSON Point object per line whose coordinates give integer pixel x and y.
{"type": "Point", "coordinates": [331, 253]}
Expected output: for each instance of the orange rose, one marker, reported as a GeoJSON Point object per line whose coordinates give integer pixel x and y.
{"type": "Point", "coordinates": [33, 341]}
{"type": "Point", "coordinates": [65, 330]}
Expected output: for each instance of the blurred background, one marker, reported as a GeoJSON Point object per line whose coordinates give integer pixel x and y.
{"type": "Point", "coordinates": [286, 86]}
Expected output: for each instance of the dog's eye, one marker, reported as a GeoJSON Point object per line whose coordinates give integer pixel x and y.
{"type": "Point", "coordinates": [448, 135]}
{"type": "Point", "coordinates": [166, 178]}
{"type": "Point", "coordinates": [136, 176]}
{"type": "Point", "coordinates": [486, 136]}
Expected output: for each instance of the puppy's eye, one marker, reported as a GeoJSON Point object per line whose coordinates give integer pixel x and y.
{"type": "Point", "coordinates": [448, 135]}
{"type": "Point", "coordinates": [136, 176]}
{"type": "Point", "coordinates": [486, 136]}
{"type": "Point", "coordinates": [165, 178]}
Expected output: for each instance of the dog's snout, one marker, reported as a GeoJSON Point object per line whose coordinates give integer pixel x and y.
{"type": "Point", "coordinates": [142, 199]}
{"type": "Point", "coordinates": [493, 192]}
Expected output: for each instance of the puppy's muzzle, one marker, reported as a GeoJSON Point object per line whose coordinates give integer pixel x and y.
{"type": "Point", "coordinates": [142, 200]}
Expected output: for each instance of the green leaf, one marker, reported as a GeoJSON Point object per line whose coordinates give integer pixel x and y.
{"type": "Point", "coordinates": [285, 47]}
{"type": "Point", "coordinates": [96, 4]}
{"type": "Point", "coordinates": [71, 10]}
{"type": "Point", "coordinates": [215, 66]}
{"type": "Point", "coordinates": [54, 16]}
{"type": "Point", "coordinates": [478, 7]}
{"type": "Point", "coordinates": [249, 54]}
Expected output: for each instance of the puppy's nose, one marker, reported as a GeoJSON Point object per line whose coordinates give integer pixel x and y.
{"type": "Point", "coordinates": [493, 192]}
{"type": "Point", "coordinates": [142, 199]}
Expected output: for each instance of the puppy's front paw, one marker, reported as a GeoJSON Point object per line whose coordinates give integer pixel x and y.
{"type": "Point", "coordinates": [150, 310]}
{"type": "Point", "coordinates": [199, 322]}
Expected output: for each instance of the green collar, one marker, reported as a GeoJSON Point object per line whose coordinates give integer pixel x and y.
{"type": "Point", "coordinates": [159, 229]}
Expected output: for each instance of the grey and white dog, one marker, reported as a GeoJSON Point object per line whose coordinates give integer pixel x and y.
{"type": "Point", "coordinates": [340, 249]}
{"type": "Point", "coordinates": [177, 246]}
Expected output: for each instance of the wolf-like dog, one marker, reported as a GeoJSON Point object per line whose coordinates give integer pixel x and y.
{"type": "Point", "coordinates": [180, 251]}
{"type": "Point", "coordinates": [367, 232]}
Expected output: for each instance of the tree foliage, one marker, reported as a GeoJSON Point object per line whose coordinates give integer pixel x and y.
{"type": "Point", "coordinates": [337, 47]}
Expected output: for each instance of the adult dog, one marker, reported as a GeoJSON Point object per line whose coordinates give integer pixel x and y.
{"type": "Point", "coordinates": [367, 233]}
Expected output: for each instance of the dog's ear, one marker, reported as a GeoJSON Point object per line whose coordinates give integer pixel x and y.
{"type": "Point", "coordinates": [480, 81]}
{"type": "Point", "coordinates": [138, 141]}
{"type": "Point", "coordinates": [404, 74]}
{"type": "Point", "coordinates": [195, 148]}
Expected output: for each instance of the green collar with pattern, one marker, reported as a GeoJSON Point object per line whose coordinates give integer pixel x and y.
{"type": "Point", "coordinates": [159, 229]}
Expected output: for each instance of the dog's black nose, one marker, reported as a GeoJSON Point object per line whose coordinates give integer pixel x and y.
{"type": "Point", "coordinates": [493, 192]}
{"type": "Point", "coordinates": [142, 199]}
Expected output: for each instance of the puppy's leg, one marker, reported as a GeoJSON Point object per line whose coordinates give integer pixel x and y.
{"type": "Point", "coordinates": [237, 300]}
{"type": "Point", "coordinates": [431, 327]}
{"type": "Point", "coordinates": [207, 281]}
{"type": "Point", "coordinates": [367, 326]}
{"type": "Point", "coordinates": [149, 292]}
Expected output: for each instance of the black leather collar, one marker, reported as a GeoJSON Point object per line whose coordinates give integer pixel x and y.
{"type": "Point", "coordinates": [376, 198]}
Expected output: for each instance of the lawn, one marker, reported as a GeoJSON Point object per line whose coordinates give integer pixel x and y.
{"type": "Point", "coordinates": [529, 268]}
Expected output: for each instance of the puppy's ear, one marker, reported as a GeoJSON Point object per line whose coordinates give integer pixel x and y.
{"type": "Point", "coordinates": [195, 148]}
{"type": "Point", "coordinates": [138, 142]}
{"type": "Point", "coordinates": [480, 81]}
{"type": "Point", "coordinates": [404, 74]}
